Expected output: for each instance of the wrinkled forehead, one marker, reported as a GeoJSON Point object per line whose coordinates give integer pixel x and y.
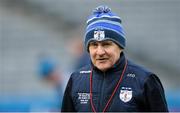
{"type": "Point", "coordinates": [107, 40]}
{"type": "Point", "coordinates": [101, 41]}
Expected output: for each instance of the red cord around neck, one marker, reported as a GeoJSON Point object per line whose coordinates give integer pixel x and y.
{"type": "Point", "coordinates": [112, 95]}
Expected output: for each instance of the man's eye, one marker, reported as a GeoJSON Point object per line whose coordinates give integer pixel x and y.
{"type": "Point", "coordinates": [93, 44]}
{"type": "Point", "coordinates": [106, 44]}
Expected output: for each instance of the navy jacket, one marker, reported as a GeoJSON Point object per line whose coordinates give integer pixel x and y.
{"type": "Point", "coordinates": [140, 90]}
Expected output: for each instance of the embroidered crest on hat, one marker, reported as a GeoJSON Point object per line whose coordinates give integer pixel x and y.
{"type": "Point", "coordinates": [125, 94]}
{"type": "Point", "coordinates": [99, 35]}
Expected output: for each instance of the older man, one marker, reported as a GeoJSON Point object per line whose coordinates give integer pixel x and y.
{"type": "Point", "coordinates": [111, 83]}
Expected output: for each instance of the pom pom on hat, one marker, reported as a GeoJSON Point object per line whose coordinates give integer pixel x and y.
{"type": "Point", "coordinates": [104, 25]}
{"type": "Point", "coordinates": [102, 9]}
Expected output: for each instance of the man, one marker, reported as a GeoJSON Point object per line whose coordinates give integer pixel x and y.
{"type": "Point", "coordinates": [111, 83]}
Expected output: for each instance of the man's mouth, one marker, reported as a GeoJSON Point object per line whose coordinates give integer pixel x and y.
{"type": "Point", "coordinates": [102, 59]}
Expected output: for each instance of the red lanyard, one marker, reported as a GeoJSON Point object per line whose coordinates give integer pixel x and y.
{"type": "Point", "coordinates": [91, 95]}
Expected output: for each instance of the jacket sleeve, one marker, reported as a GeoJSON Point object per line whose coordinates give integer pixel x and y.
{"type": "Point", "coordinates": [67, 103]}
{"type": "Point", "coordinates": [154, 94]}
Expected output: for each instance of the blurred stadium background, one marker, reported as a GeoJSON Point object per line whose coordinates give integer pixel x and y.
{"type": "Point", "coordinates": [31, 27]}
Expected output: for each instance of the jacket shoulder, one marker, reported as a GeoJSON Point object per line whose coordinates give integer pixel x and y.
{"type": "Point", "coordinates": [81, 73]}
{"type": "Point", "coordinates": [140, 71]}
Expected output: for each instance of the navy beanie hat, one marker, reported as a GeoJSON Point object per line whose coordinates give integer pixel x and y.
{"type": "Point", "coordinates": [104, 25]}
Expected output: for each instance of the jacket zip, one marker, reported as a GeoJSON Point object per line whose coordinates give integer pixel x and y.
{"type": "Point", "coordinates": [101, 100]}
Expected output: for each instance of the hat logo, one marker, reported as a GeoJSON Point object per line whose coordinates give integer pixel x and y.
{"type": "Point", "coordinates": [99, 35]}
{"type": "Point", "coordinates": [125, 95]}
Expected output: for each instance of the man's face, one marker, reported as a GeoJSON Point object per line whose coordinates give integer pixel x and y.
{"type": "Point", "coordinates": [104, 54]}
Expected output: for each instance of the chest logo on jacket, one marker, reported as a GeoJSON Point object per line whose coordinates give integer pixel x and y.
{"type": "Point", "coordinates": [131, 75]}
{"type": "Point", "coordinates": [83, 98]}
{"type": "Point", "coordinates": [125, 94]}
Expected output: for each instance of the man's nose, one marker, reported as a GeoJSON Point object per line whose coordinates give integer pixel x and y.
{"type": "Point", "coordinates": [100, 50]}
